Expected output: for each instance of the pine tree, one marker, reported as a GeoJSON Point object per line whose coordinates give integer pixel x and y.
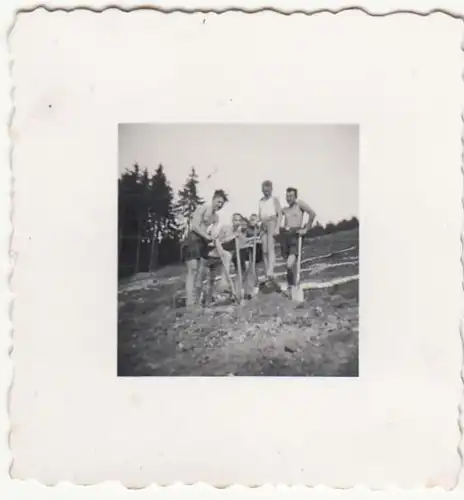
{"type": "Point", "coordinates": [316, 230]}
{"type": "Point", "coordinates": [129, 216]}
{"type": "Point", "coordinates": [142, 210]}
{"type": "Point", "coordinates": [354, 222]}
{"type": "Point", "coordinates": [330, 228]}
{"type": "Point", "coordinates": [189, 199]}
{"type": "Point", "coordinates": [162, 218]}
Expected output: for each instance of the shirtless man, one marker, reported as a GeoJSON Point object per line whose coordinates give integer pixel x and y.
{"type": "Point", "coordinates": [293, 228]}
{"type": "Point", "coordinates": [199, 240]}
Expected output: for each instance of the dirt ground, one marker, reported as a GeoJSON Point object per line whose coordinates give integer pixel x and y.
{"type": "Point", "coordinates": [267, 336]}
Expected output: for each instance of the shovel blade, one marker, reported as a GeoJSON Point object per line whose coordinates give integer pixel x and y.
{"type": "Point", "coordinates": [297, 294]}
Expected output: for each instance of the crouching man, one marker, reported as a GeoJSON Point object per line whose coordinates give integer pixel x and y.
{"type": "Point", "coordinates": [230, 237]}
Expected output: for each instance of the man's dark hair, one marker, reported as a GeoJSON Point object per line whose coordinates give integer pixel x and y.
{"type": "Point", "coordinates": [294, 190]}
{"type": "Point", "coordinates": [220, 193]}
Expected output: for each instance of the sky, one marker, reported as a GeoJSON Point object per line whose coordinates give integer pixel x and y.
{"type": "Point", "coordinates": [322, 161]}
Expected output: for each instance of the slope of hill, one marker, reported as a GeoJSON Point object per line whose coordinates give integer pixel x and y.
{"type": "Point", "coordinates": [268, 335]}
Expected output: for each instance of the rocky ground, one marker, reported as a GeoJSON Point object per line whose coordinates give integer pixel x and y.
{"type": "Point", "coordinates": [267, 336]}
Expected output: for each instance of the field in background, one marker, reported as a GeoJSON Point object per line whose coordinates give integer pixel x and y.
{"type": "Point", "coordinates": [268, 335]}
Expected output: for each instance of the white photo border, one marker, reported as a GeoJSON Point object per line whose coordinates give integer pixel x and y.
{"type": "Point", "coordinates": [361, 278]}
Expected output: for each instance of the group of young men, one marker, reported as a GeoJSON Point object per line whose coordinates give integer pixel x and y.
{"type": "Point", "coordinates": [213, 248]}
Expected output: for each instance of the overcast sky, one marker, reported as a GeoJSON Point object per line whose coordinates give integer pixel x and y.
{"type": "Point", "coordinates": [320, 160]}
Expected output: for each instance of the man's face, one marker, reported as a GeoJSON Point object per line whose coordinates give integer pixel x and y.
{"type": "Point", "coordinates": [267, 190]}
{"type": "Point", "coordinates": [236, 221]}
{"type": "Point", "coordinates": [291, 198]}
{"type": "Point", "coordinates": [218, 203]}
{"type": "Point", "coordinates": [253, 220]}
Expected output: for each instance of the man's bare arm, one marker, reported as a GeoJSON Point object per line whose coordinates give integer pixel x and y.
{"type": "Point", "coordinates": [228, 236]}
{"type": "Point", "coordinates": [279, 214]}
{"type": "Point", "coordinates": [311, 213]}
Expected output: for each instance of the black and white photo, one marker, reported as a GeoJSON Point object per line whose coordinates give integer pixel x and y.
{"type": "Point", "coordinates": [235, 252]}
{"type": "Point", "coordinates": [238, 250]}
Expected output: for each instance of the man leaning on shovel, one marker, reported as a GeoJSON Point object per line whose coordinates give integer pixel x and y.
{"type": "Point", "coordinates": [198, 245]}
{"type": "Point", "coordinates": [292, 233]}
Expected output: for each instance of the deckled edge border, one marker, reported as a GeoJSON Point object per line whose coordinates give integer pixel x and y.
{"type": "Point", "coordinates": [11, 257]}
{"type": "Point", "coordinates": [460, 478]}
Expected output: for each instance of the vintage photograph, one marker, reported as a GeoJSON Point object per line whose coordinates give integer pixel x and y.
{"type": "Point", "coordinates": [238, 250]}
{"type": "Point", "coordinates": [234, 278]}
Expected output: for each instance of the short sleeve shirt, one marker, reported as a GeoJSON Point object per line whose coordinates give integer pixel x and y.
{"type": "Point", "coordinates": [268, 208]}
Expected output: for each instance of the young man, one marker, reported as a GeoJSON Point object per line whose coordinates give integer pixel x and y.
{"type": "Point", "coordinates": [199, 242]}
{"type": "Point", "coordinates": [293, 228]}
{"type": "Point", "coordinates": [270, 214]}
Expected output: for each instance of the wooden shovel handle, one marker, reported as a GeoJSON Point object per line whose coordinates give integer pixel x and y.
{"type": "Point", "coordinates": [298, 260]}
{"type": "Point", "coordinates": [238, 290]}
{"type": "Point", "coordinates": [220, 251]}
{"type": "Point", "coordinates": [253, 263]}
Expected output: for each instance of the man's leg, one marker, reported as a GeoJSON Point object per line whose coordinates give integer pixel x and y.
{"type": "Point", "coordinates": [227, 257]}
{"type": "Point", "coordinates": [271, 248]}
{"type": "Point", "coordinates": [259, 267]}
{"type": "Point", "coordinates": [240, 285]}
{"type": "Point", "coordinates": [265, 252]}
{"type": "Point", "coordinates": [212, 272]}
{"type": "Point", "coordinates": [291, 270]}
{"type": "Point", "coordinates": [192, 267]}
{"type": "Point", "coordinates": [200, 275]}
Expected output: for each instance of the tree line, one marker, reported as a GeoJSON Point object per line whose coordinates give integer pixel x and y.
{"type": "Point", "coordinates": [153, 221]}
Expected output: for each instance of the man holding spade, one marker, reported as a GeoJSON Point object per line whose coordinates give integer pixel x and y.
{"type": "Point", "coordinates": [292, 234]}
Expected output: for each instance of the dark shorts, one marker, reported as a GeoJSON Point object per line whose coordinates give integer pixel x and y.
{"type": "Point", "coordinates": [259, 253]}
{"type": "Point", "coordinates": [195, 247]}
{"type": "Point", "coordinates": [289, 243]}
{"type": "Point", "coordinates": [229, 246]}
{"type": "Point", "coordinates": [213, 263]}
{"type": "Point", "coordinates": [246, 255]}
{"type": "Point", "coordinates": [244, 252]}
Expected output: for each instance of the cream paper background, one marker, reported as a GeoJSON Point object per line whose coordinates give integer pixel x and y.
{"type": "Point", "coordinates": [400, 79]}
